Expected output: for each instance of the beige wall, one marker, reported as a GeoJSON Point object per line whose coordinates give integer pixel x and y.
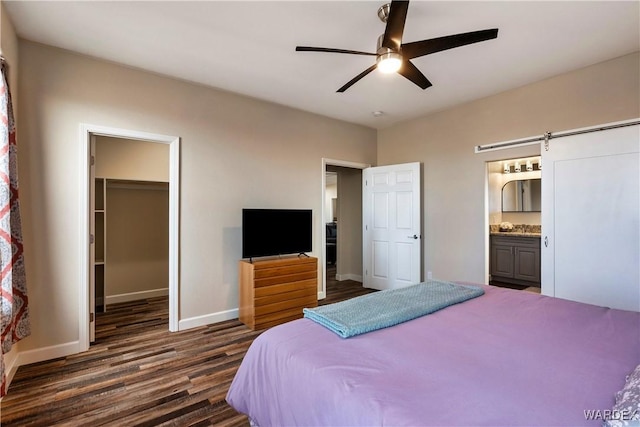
{"type": "Point", "coordinates": [454, 181]}
{"type": "Point", "coordinates": [235, 152]}
{"type": "Point", "coordinates": [9, 49]}
{"type": "Point", "coordinates": [349, 250]}
{"type": "Point", "coordinates": [137, 240]}
{"type": "Point", "coordinates": [119, 158]}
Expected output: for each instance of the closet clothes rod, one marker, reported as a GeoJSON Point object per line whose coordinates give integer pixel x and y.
{"type": "Point", "coordinates": [549, 135]}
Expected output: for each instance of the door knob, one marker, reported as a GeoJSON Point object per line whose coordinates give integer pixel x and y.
{"type": "Point", "coordinates": [415, 236]}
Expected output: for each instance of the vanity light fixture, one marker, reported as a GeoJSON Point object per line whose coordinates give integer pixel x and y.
{"type": "Point", "coordinates": [529, 166]}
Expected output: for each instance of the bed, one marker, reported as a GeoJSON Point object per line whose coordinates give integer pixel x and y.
{"type": "Point", "coordinates": [506, 358]}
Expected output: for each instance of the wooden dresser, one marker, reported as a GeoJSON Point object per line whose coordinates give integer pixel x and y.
{"type": "Point", "coordinates": [275, 291]}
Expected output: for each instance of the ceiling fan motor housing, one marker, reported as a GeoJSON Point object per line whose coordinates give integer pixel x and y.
{"type": "Point", "coordinates": [383, 12]}
{"type": "Point", "coordinates": [381, 50]}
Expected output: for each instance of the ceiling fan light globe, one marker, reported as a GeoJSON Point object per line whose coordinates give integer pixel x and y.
{"type": "Point", "coordinates": [389, 62]}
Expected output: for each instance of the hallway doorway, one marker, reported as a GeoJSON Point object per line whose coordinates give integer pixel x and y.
{"type": "Point", "coordinates": [341, 246]}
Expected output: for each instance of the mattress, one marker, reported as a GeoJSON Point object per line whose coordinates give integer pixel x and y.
{"type": "Point", "coordinates": [507, 358]}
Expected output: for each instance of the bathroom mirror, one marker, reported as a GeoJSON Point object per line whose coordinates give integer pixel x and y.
{"type": "Point", "coordinates": [522, 195]}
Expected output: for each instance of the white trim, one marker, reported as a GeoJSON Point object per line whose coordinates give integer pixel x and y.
{"type": "Point", "coordinates": [487, 238]}
{"type": "Point", "coordinates": [174, 234]}
{"type": "Point", "coordinates": [134, 296]}
{"type": "Point", "coordinates": [84, 338]}
{"type": "Point", "coordinates": [539, 138]}
{"type": "Point", "coordinates": [354, 277]}
{"type": "Point", "coordinates": [322, 293]}
{"type": "Point", "coordinates": [86, 131]}
{"type": "Point", "coordinates": [48, 353]}
{"type": "Point", "coordinates": [208, 319]}
{"type": "Point", "coordinates": [10, 360]}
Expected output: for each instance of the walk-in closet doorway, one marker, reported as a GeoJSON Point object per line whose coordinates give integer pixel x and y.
{"type": "Point", "coordinates": [132, 215]}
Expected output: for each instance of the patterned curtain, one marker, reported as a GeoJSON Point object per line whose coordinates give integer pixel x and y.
{"type": "Point", "coordinates": [14, 313]}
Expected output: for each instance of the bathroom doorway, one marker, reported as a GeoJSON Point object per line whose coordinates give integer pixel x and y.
{"type": "Point", "coordinates": [514, 213]}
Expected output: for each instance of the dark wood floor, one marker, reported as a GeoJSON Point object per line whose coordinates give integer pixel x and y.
{"type": "Point", "coordinates": [139, 374]}
{"type": "Point", "coordinates": [534, 289]}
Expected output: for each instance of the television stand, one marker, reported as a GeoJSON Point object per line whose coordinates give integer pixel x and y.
{"type": "Point", "coordinates": [275, 291]}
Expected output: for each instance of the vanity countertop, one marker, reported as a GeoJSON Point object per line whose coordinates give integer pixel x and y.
{"type": "Point", "coordinates": [519, 230]}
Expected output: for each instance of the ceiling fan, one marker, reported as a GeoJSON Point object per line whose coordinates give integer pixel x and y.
{"type": "Point", "coordinates": [394, 56]}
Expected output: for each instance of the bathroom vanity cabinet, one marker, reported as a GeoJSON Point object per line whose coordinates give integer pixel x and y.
{"type": "Point", "coordinates": [515, 259]}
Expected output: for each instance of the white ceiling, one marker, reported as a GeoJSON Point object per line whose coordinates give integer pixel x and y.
{"type": "Point", "coordinates": [249, 47]}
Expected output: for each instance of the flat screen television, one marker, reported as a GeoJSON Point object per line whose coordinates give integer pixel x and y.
{"type": "Point", "coordinates": [268, 232]}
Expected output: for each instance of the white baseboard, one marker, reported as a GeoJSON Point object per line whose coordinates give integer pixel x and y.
{"type": "Point", "coordinates": [354, 277]}
{"type": "Point", "coordinates": [48, 353]}
{"type": "Point", "coordinates": [134, 296]}
{"type": "Point", "coordinates": [10, 364]}
{"type": "Point", "coordinates": [207, 319]}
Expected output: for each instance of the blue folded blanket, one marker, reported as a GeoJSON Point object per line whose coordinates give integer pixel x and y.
{"type": "Point", "coordinates": [390, 307]}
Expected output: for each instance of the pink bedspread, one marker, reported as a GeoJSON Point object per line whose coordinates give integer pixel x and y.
{"type": "Point", "coordinates": [508, 358]}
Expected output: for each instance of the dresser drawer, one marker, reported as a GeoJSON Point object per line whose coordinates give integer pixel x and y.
{"type": "Point", "coordinates": [276, 291]}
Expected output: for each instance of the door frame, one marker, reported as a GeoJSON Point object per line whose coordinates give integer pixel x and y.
{"type": "Point", "coordinates": [322, 293]}
{"type": "Point", "coordinates": [86, 132]}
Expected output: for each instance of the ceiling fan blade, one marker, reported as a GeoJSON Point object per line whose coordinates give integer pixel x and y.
{"type": "Point", "coordinates": [426, 47]}
{"type": "Point", "coordinates": [395, 25]}
{"type": "Point", "coordinates": [356, 78]}
{"type": "Point", "coordinates": [330, 50]}
{"type": "Point", "coordinates": [412, 73]}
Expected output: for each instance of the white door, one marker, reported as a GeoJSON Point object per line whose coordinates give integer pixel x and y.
{"type": "Point", "coordinates": [92, 245]}
{"type": "Point", "coordinates": [391, 226]}
{"type": "Point", "coordinates": [591, 218]}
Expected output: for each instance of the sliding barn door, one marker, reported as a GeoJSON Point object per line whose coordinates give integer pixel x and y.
{"type": "Point", "coordinates": [590, 218]}
{"type": "Point", "coordinates": [391, 226]}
